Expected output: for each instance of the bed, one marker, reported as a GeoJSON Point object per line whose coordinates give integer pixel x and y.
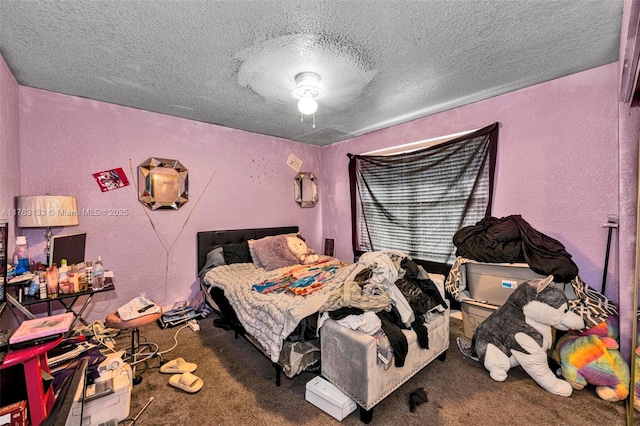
{"type": "Point", "coordinates": [281, 326]}
{"type": "Point", "coordinates": [280, 309]}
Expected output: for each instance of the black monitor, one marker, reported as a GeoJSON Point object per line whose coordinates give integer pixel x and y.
{"type": "Point", "coordinates": [69, 246]}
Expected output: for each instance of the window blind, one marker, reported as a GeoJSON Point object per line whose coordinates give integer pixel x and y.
{"type": "Point", "coordinates": [415, 202]}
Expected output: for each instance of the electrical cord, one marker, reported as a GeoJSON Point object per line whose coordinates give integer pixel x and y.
{"type": "Point", "coordinates": [134, 419]}
{"type": "Point", "coordinates": [156, 351]}
{"type": "Point", "coordinates": [147, 355]}
{"type": "Point", "coordinates": [99, 335]}
{"type": "Point", "coordinates": [175, 339]}
{"type": "Point", "coordinates": [152, 349]}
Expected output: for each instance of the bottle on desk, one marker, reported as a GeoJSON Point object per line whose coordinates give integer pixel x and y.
{"type": "Point", "coordinates": [21, 256]}
{"type": "Point", "coordinates": [98, 275]}
{"type": "Point", "coordinates": [63, 271]}
{"type": "Point", "coordinates": [63, 277]}
{"type": "Point", "coordinates": [88, 273]}
{"type": "Point", "coordinates": [81, 273]}
{"type": "Point", "coordinates": [52, 281]}
{"type": "Point", "coordinates": [42, 280]}
{"type": "Point", "coordinates": [74, 282]}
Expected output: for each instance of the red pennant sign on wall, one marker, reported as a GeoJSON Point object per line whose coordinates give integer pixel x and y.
{"type": "Point", "coordinates": [111, 179]}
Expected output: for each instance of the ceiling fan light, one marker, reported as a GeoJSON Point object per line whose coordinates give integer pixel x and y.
{"type": "Point", "coordinates": [307, 106]}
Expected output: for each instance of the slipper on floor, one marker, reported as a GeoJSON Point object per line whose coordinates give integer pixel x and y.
{"type": "Point", "coordinates": [187, 382]}
{"type": "Point", "coordinates": [178, 366]}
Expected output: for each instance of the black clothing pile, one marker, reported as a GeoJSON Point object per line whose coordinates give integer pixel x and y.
{"type": "Point", "coordinates": [511, 239]}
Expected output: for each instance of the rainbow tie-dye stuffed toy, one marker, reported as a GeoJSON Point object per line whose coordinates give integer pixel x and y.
{"type": "Point", "coordinates": [636, 380]}
{"type": "Point", "coordinates": [592, 357]}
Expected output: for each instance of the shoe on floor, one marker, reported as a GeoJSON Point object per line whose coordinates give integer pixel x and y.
{"type": "Point", "coordinates": [178, 366]}
{"type": "Point", "coordinates": [465, 347]}
{"type": "Point", "coordinates": [187, 382]}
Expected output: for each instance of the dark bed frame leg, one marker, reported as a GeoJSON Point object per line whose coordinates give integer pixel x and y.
{"type": "Point", "coordinates": [278, 372]}
{"type": "Point", "coordinates": [442, 356]}
{"type": "Point", "coordinates": [366, 415]}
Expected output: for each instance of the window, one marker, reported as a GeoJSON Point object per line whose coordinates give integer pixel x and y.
{"type": "Point", "coordinates": [416, 201]}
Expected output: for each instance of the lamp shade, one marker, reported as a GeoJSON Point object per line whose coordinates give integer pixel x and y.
{"type": "Point", "coordinates": [41, 211]}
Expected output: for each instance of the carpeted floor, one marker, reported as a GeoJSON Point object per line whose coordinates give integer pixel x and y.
{"type": "Point", "coordinates": [239, 389]}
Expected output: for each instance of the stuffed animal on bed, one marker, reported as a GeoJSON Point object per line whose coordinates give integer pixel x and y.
{"type": "Point", "coordinates": [300, 250]}
{"type": "Point", "coordinates": [592, 357]}
{"type": "Point", "coordinates": [519, 333]}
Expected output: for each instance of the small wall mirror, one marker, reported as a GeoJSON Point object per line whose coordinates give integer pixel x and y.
{"type": "Point", "coordinates": [305, 189]}
{"type": "Point", "coordinates": [163, 184]}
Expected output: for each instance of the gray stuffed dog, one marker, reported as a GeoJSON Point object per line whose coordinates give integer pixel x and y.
{"type": "Point", "coordinates": [519, 333]}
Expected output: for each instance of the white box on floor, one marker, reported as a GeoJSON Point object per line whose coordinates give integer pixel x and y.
{"type": "Point", "coordinates": [473, 313]}
{"type": "Point", "coordinates": [329, 398]}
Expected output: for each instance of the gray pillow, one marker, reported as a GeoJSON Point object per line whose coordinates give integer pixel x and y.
{"type": "Point", "coordinates": [214, 258]}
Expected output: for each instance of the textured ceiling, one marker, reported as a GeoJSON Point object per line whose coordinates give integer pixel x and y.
{"type": "Point", "coordinates": [233, 63]}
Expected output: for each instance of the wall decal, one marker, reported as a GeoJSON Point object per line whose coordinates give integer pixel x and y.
{"type": "Point", "coordinates": [262, 170]}
{"type": "Point", "coordinates": [294, 162]}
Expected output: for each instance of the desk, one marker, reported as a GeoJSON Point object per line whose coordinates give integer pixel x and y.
{"type": "Point", "coordinates": [66, 300]}
{"type": "Point", "coordinates": [34, 361]}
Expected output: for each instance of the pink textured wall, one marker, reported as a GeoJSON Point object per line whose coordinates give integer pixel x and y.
{"type": "Point", "coordinates": [9, 146]}
{"type": "Point", "coordinates": [557, 166]}
{"type": "Point", "coordinates": [557, 163]}
{"type": "Point", "coordinates": [65, 139]}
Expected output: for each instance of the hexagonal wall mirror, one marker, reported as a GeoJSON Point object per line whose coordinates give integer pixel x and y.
{"type": "Point", "coordinates": [305, 189]}
{"type": "Point", "coordinates": [163, 184]}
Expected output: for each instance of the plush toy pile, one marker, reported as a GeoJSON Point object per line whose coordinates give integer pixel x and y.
{"type": "Point", "coordinates": [592, 357]}
{"type": "Point", "coordinates": [519, 333]}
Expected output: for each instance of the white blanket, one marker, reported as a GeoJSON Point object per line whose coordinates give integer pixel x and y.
{"type": "Point", "coordinates": [269, 318]}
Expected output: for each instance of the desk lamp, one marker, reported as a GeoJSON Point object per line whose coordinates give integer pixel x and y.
{"type": "Point", "coordinates": [45, 211]}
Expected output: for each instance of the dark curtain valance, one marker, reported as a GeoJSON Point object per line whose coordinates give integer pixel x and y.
{"type": "Point", "coordinates": [415, 202]}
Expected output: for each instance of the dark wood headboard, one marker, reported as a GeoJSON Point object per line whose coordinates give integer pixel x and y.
{"type": "Point", "coordinates": [207, 240]}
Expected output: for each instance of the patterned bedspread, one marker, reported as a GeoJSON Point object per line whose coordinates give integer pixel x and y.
{"type": "Point", "coordinates": [301, 280]}
{"type": "Point", "coordinates": [271, 316]}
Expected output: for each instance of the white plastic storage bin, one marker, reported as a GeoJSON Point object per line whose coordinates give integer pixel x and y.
{"type": "Point", "coordinates": [493, 283]}
{"type": "Point", "coordinates": [329, 398]}
{"type": "Point", "coordinates": [473, 313]}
